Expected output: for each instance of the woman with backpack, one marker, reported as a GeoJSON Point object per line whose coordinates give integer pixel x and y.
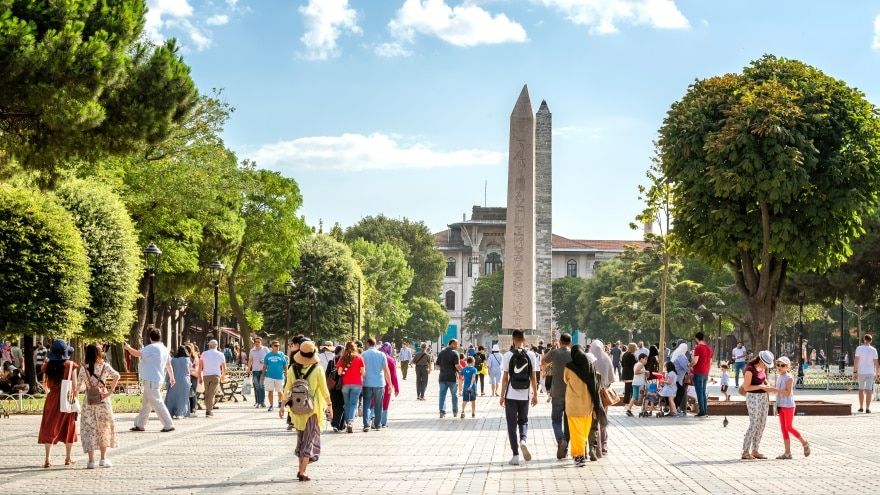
{"type": "Point", "coordinates": [96, 426]}
{"type": "Point", "coordinates": [308, 399]}
{"type": "Point", "coordinates": [480, 364]}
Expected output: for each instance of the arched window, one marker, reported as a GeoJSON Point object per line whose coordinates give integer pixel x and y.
{"type": "Point", "coordinates": [450, 267]}
{"type": "Point", "coordinates": [493, 263]}
{"type": "Point", "coordinates": [450, 300]}
{"type": "Point", "coordinates": [571, 268]}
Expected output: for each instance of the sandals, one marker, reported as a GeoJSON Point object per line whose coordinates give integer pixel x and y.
{"type": "Point", "coordinates": [47, 465]}
{"type": "Point", "coordinates": [758, 455]}
{"type": "Point", "coordinates": [746, 456]}
{"type": "Point", "coordinates": [302, 477]}
{"type": "Point", "coordinates": [784, 456]}
{"type": "Point", "coordinates": [806, 449]}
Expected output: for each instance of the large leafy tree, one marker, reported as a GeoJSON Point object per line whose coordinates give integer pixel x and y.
{"type": "Point", "coordinates": [417, 244]}
{"type": "Point", "coordinates": [427, 320]}
{"type": "Point", "coordinates": [591, 319]}
{"type": "Point", "coordinates": [114, 257]}
{"type": "Point", "coordinates": [772, 170]}
{"type": "Point", "coordinates": [566, 291]}
{"type": "Point", "coordinates": [388, 278]}
{"type": "Point", "coordinates": [483, 313]}
{"type": "Point", "coordinates": [77, 81]}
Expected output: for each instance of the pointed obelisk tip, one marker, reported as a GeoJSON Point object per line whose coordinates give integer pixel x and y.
{"type": "Point", "coordinates": [523, 103]}
{"type": "Point", "coordinates": [543, 107]}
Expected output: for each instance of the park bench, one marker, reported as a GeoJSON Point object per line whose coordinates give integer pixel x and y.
{"type": "Point", "coordinates": [229, 390]}
{"type": "Point", "coordinates": [128, 383]}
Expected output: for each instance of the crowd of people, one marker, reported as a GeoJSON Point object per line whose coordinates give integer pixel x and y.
{"type": "Point", "coordinates": [313, 384]}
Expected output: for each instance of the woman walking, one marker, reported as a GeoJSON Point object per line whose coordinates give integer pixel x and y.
{"type": "Point", "coordinates": [97, 427]}
{"type": "Point", "coordinates": [177, 397]}
{"type": "Point", "coordinates": [308, 424]}
{"type": "Point", "coordinates": [682, 365]}
{"type": "Point", "coordinates": [480, 364]}
{"type": "Point", "coordinates": [337, 421]}
{"type": "Point", "coordinates": [757, 402]}
{"type": "Point", "coordinates": [195, 373]}
{"type": "Point", "coordinates": [605, 369]}
{"type": "Point", "coordinates": [581, 402]}
{"type": "Point", "coordinates": [386, 399]}
{"type": "Point", "coordinates": [55, 425]}
{"type": "Point", "coordinates": [785, 408]}
{"type": "Point", "coordinates": [494, 362]}
{"type": "Point", "coordinates": [628, 362]}
{"type": "Point", "coordinates": [351, 369]}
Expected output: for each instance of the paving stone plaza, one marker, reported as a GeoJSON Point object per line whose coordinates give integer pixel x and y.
{"type": "Point", "coordinates": [243, 450]}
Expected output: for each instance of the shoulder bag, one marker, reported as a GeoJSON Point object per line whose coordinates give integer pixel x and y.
{"type": "Point", "coordinates": [93, 393]}
{"type": "Point", "coordinates": [69, 401]}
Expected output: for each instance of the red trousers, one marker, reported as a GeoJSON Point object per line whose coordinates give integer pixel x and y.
{"type": "Point", "coordinates": [786, 418]}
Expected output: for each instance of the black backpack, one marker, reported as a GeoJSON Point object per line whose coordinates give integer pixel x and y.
{"type": "Point", "coordinates": [520, 370]}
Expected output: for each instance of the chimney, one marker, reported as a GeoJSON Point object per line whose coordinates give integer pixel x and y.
{"type": "Point", "coordinates": [648, 229]}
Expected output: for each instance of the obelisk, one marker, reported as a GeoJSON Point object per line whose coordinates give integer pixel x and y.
{"type": "Point", "coordinates": [543, 220]}
{"type": "Point", "coordinates": [518, 305]}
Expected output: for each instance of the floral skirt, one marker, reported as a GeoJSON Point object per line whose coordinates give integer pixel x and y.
{"type": "Point", "coordinates": [308, 441]}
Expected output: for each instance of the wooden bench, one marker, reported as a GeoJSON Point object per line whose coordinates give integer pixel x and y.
{"type": "Point", "coordinates": [128, 383]}
{"type": "Point", "coordinates": [228, 390]}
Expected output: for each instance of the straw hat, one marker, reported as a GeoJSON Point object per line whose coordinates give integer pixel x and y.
{"type": "Point", "coordinates": [306, 355]}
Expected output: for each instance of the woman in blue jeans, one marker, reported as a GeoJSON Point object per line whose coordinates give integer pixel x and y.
{"type": "Point", "coordinates": [351, 369]}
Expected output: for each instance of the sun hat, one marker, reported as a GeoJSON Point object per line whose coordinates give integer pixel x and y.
{"type": "Point", "coordinates": [766, 357]}
{"type": "Point", "coordinates": [60, 351]}
{"type": "Point", "coordinates": [495, 348]}
{"type": "Point", "coordinates": [306, 354]}
{"type": "Point", "coordinates": [784, 360]}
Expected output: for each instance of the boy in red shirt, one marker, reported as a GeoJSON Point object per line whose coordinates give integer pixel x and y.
{"type": "Point", "coordinates": [701, 364]}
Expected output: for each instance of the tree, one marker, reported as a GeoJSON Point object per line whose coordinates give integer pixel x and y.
{"type": "Point", "coordinates": [268, 246]}
{"type": "Point", "coordinates": [78, 82]}
{"type": "Point", "coordinates": [566, 291]}
{"type": "Point", "coordinates": [388, 278]}
{"type": "Point", "coordinates": [114, 257]}
{"type": "Point", "coordinates": [483, 313]}
{"type": "Point", "coordinates": [772, 170]}
{"type": "Point", "coordinates": [591, 318]}
{"type": "Point", "coordinates": [417, 244]}
{"type": "Point", "coordinates": [427, 320]}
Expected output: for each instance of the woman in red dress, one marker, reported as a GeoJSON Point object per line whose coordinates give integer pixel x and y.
{"type": "Point", "coordinates": [57, 426]}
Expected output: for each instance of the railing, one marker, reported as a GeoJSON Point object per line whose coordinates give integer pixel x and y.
{"type": "Point", "coordinates": [33, 403]}
{"type": "Point", "coordinates": [817, 379]}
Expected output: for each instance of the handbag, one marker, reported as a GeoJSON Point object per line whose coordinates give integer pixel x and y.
{"type": "Point", "coordinates": [67, 404]}
{"type": "Point", "coordinates": [245, 389]}
{"type": "Point", "coordinates": [608, 396]}
{"type": "Point", "coordinates": [200, 387]}
{"type": "Point", "coordinates": [688, 379]}
{"type": "Point", "coordinates": [93, 394]}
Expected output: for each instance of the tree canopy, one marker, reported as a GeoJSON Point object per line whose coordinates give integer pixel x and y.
{"type": "Point", "coordinates": [772, 169]}
{"type": "Point", "coordinates": [483, 313]}
{"type": "Point", "coordinates": [388, 278]}
{"type": "Point", "coordinates": [427, 320]}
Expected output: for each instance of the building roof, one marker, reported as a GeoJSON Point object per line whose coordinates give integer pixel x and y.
{"type": "Point", "coordinates": [445, 241]}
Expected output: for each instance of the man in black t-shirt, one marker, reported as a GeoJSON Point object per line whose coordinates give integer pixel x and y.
{"type": "Point", "coordinates": [448, 363]}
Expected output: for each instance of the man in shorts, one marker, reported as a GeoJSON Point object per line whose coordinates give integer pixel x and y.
{"type": "Point", "coordinates": [865, 368]}
{"type": "Point", "coordinates": [274, 365]}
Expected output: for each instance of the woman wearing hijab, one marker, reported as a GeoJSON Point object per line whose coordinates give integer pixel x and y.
{"type": "Point", "coordinates": [653, 364]}
{"type": "Point", "coordinates": [682, 364]}
{"type": "Point", "coordinates": [386, 400]}
{"type": "Point", "coordinates": [309, 425]}
{"type": "Point", "coordinates": [338, 421]}
{"type": "Point", "coordinates": [55, 425]}
{"type": "Point", "coordinates": [604, 367]}
{"type": "Point", "coordinates": [581, 402]}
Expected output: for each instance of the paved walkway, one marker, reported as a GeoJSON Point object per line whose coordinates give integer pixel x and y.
{"type": "Point", "coordinates": [242, 450]}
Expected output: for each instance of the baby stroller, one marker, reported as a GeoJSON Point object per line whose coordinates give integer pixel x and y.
{"type": "Point", "coordinates": [650, 394]}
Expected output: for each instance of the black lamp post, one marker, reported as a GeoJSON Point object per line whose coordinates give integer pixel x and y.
{"type": "Point", "coordinates": [289, 286]}
{"type": "Point", "coordinates": [216, 271]}
{"type": "Point", "coordinates": [802, 348]}
{"type": "Point", "coordinates": [701, 311]}
{"type": "Point", "coordinates": [720, 306]}
{"type": "Point", "coordinates": [151, 257]}
{"type": "Point", "coordinates": [313, 297]}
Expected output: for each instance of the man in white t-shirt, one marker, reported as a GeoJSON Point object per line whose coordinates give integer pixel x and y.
{"type": "Point", "coordinates": [155, 362]}
{"type": "Point", "coordinates": [519, 366]}
{"type": "Point", "coordinates": [865, 368]}
{"type": "Point", "coordinates": [213, 371]}
{"type": "Point", "coordinates": [738, 354]}
{"type": "Point", "coordinates": [255, 366]}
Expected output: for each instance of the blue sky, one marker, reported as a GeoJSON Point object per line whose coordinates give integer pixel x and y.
{"type": "Point", "coordinates": [401, 106]}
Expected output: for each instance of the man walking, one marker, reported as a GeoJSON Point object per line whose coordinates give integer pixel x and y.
{"type": "Point", "coordinates": [376, 375]}
{"type": "Point", "coordinates": [701, 363]}
{"type": "Point", "coordinates": [255, 366]}
{"type": "Point", "coordinates": [616, 352]}
{"type": "Point", "coordinates": [154, 362]}
{"type": "Point", "coordinates": [213, 372]}
{"type": "Point", "coordinates": [405, 358]}
{"type": "Point", "coordinates": [274, 365]}
{"type": "Point", "coordinates": [39, 358]}
{"type": "Point", "coordinates": [449, 364]}
{"type": "Point", "coordinates": [738, 354]}
{"type": "Point", "coordinates": [422, 361]}
{"type": "Point", "coordinates": [558, 358]}
{"type": "Point", "coordinates": [519, 379]}
{"type": "Point", "coordinates": [865, 368]}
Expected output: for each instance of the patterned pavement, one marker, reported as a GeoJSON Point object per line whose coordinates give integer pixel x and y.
{"type": "Point", "coordinates": [243, 450]}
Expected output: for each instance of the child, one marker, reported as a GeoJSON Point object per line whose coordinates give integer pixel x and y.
{"type": "Point", "coordinates": [651, 399]}
{"type": "Point", "coordinates": [638, 382]}
{"type": "Point", "coordinates": [785, 407]}
{"type": "Point", "coordinates": [670, 386]}
{"type": "Point", "coordinates": [462, 363]}
{"type": "Point", "coordinates": [725, 380]}
{"type": "Point", "coordinates": [469, 373]}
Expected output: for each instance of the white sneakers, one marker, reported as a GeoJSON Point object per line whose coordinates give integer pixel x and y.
{"type": "Point", "coordinates": [105, 463]}
{"type": "Point", "coordinates": [514, 461]}
{"type": "Point", "coordinates": [90, 465]}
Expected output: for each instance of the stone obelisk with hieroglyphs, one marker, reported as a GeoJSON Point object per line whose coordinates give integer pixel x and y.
{"type": "Point", "coordinates": [518, 305]}
{"type": "Point", "coordinates": [543, 220]}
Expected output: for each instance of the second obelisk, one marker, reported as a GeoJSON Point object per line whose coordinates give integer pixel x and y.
{"type": "Point", "coordinates": [518, 305]}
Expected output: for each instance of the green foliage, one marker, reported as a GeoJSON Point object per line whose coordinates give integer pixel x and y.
{"type": "Point", "coordinates": [566, 291]}
{"type": "Point", "coordinates": [771, 169]}
{"type": "Point", "coordinates": [114, 257]}
{"type": "Point", "coordinates": [417, 244]}
{"type": "Point", "coordinates": [427, 320]}
{"type": "Point", "coordinates": [592, 320]}
{"type": "Point", "coordinates": [388, 278]}
{"type": "Point", "coordinates": [78, 82]}
{"type": "Point", "coordinates": [44, 271]}
{"type": "Point", "coordinates": [484, 311]}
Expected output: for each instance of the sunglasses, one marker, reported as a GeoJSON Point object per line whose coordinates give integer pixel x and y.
{"type": "Point", "coordinates": [781, 365]}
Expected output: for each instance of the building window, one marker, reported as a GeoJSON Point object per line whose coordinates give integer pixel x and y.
{"type": "Point", "coordinates": [493, 263]}
{"type": "Point", "coordinates": [450, 300]}
{"type": "Point", "coordinates": [450, 267]}
{"type": "Point", "coordinates": [571, 268]}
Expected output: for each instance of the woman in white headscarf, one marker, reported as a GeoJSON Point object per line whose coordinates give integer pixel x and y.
{"type": "Point", "coordinates": [680, 359]}
{"type": "Point", "coordinates": [602, 363]}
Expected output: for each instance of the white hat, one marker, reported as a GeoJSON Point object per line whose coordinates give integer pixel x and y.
{"type": "Point", "coordinates": [784, 360]}
{"type": "Point", "coordinates": [495, 348]}
{"type": "Point", "coordinates": [766, 357]}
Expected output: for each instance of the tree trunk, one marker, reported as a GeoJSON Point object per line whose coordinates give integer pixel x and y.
{"type": "Point", "coordinates": [237, 310]}
{"type": "Point", "coordinates": [30, 372]}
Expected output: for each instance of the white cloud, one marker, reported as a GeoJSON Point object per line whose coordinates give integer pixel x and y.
{"type": "Point", "coordinates": [603, 16]}
{"type": "Point", "coordinates": [217, 20]}
{"type": "Point", "coordinates": [876, 44]}
{"type": "Point", "coordinates": [325, 22]}
{"type": "Point", "coordinates": [358, 152]}
{"type": "Point", "coordinates": [463, 25]}
{"type": "Point", "coordinates": [390, 50]}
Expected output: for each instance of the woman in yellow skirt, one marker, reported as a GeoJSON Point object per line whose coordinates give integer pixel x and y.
{"type": "Point", "coordinates": [581, 400]}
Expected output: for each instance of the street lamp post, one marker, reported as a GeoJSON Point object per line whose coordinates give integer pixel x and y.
{"type": "Point", "coordinates": [313, 296]}
{"type": "Point", "coordinates": [216, 271]}
{"type": "Point", "coordinates": [803, 346]}
{"type": "Point", "coordinates": [151, 257]}
{"type": "Point", "coordinates": [720, 306]}
{"type": "Point", "coordinates": [288, 286]}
